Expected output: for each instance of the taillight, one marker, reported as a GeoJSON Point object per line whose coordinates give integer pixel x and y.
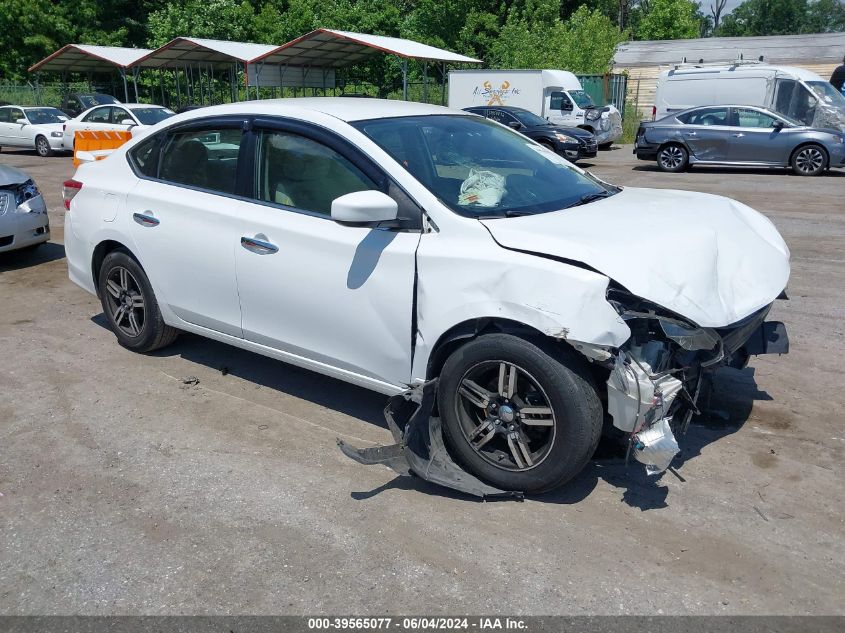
{"type": "Point", "coordinates": [653, 112]}
{"type": "Point", "coordinates": [69, 189]}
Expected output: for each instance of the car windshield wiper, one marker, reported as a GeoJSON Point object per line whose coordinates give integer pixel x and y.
{"type": "Point", "coordinates": [589, 197]}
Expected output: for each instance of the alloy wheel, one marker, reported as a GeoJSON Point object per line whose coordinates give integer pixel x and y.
{"type": "Point", "coordinates": [671, 157]}
{"type": "Point", "coordinates": [42, 146]}
{"type": "Point", "coordinates": [505, 415]}
{"type": "Point", "coordinates": [125, 301]}
{"type": "Point", "coordinates": [809, 160]}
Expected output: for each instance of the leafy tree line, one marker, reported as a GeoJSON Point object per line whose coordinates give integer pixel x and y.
{"type": "Point", "coordinates": [580, 35]}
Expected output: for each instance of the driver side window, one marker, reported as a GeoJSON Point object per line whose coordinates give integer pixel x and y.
{"type": "Point", "coordinates": [560, 101]}
{"type": "Point", "coordinates": [753, 118]}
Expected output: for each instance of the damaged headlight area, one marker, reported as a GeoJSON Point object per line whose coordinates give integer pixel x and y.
{"type": "Point", "coordinates": [23, 197]}
{"type": "Point", "coordinates": [656, 376]}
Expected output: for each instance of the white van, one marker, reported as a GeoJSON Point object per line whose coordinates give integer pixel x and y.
{"type": "Point", "coordinates": [556, 95]}
{"type": "Point", "coordinates": [794, 92]}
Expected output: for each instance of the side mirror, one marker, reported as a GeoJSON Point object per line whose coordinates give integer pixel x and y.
{"type": "Point", "coordinates": [362, 208]}
{"type": "Point", "coordinates": [516, 125]}
{"type": "Point", "coordinates": [22, 122]}
{"type": "Point", "coordinates": [128, 122]}
{"type": "Point", "coordinates": [778, 125]}
{"type": "Point", "coordinates": [62, 118]}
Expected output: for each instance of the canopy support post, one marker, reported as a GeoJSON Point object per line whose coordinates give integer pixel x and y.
{"type": "Point", "coordinates": [178, 89]}
{"type": "Point", "coordinates": [425, 81]}
{"type": "Point", "coordinates": [443, 92]}
{"type": "Point", "coordinates": [125, 87]}
{"type": "Point", "coordinates": [135, 82]}
{"type": "Point", "coordinates": [405, 78]}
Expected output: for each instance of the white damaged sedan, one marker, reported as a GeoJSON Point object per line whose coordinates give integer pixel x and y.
{"type": "Point", "coordinates": [387, 243]}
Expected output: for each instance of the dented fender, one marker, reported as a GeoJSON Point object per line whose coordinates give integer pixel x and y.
{"type": "Point", "coordinates": [560, 300]}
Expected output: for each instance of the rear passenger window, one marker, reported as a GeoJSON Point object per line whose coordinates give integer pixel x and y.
{"type": "Point", "coordinates": [707, 116]}
{"type": "Point", "coordinates": [206, 159]}
{"type": "Point", "coordinates": [298, 172]}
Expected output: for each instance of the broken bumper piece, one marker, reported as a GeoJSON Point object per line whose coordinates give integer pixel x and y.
{"type": "Point", "coordinates": [419, 450]}
{"type": "Point", "coordinates": [656, 447]}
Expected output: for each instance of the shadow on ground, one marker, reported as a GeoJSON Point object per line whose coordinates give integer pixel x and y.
{"type": "Point", "coordinates": [725, 408]}
{"type": "Point", "coordinates": [28, 257]}
{"type": "Point", "coordinates": [761, 171]}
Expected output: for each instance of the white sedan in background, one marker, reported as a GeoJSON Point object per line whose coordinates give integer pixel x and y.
{"type": "Point", "coordinates": [116, 117]}
{"type": "Point", "coordinates": [387, 243]}
{"type": "Point", "coordinates": [39, 128]}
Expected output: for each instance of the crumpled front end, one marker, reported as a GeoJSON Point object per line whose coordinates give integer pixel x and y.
{"type": "Point", "coordinates": [656, 377]}
{"type": "Point", "coordinates": [23, 216]}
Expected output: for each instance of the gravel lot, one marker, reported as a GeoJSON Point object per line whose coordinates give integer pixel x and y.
{"type": "Point", "coordinates": [125, 491]}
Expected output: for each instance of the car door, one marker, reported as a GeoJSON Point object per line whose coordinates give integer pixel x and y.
{"type": "Point", "coordinates": [5, 125]}
{"type": "Point", "coordinates": [337, 295]}
{"type": "Point", "coordinates": [755, 139]}
{"type": "Point", "coordinates": [707, 132]}
{"type": "Point", "coordinates": [18, 134]}
{"type": "Point", "coordinates": [186, 214]}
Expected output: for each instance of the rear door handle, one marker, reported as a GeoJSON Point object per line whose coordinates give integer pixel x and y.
{"type": "Point", "coordinates": [258, 246]}
{"type": "Point", "coordinates": [691, 133]}
{"type": "Point", "coordinates": [738, 135]}
{"type": "Point", "coordinates": [144, 219]}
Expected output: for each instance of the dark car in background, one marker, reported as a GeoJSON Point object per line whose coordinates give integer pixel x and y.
{"type": "Point", "coordinates": [570, 142]}
{"type": "Point", "coordinates": [75, 103]}
{"type": "Point", "coordinates": [738, 135]}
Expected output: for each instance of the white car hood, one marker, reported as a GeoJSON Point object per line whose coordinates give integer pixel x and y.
{"type": "Point", "coordinates": [708, 258]}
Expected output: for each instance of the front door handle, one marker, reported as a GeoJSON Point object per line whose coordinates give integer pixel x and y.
{"type": "Point", "coordinates": [691, 133]}
{"type": "Point", "coordinates": [258, 246]}
{"type": "Point", "coordinates": [738, 135]}
{"type": "Point", "coordinates": [144, 219]}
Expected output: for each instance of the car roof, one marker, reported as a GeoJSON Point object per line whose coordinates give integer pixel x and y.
{"type": "Point", "coordinates": [343, 108]}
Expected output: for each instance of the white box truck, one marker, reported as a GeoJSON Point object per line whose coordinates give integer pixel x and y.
{"type": "Point", "coordinates": [794, 92]}
{"type": "Point", "coordinates": [556, 95]}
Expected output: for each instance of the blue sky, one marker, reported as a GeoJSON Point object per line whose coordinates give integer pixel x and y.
{"type": "Point", "coordinates": [729, 6]}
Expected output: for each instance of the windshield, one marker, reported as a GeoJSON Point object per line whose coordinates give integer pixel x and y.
{"type": "Point", "coordinates": [89, 101]}
{"type": "Point", "coordinates": [581, 99]}
{"type": "Point", "coordinates": [529, 118]}
{"type": "Point", "coordinates": [151, 116]}
{"type": "Point", "coordinates": [481, 169]}
{"type": "Point", "coordinates": [827, 93]}
{"type": "Point", "coordinates": [40, 116]}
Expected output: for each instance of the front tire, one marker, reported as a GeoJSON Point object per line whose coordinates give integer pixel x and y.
{"type": "Point", "coordinates": [130, 305]}
{"type": "Point", "coordinates": [519, 415]}
{"type": "Point", "coordinates": [42, 147]}
{"type": "Point", "coordinates": [809, 160]}
{"type": "Point", "coordinates": [672, 158]}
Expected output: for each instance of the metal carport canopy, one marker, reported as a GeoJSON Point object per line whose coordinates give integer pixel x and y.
{"type": "Point", "coordinates": [84, 58]}
{"type": "Point", "coordinates": [327, 48]}
{"type": "Point", "coordinates": [194, 51]}
{"type": "Point", "coordinates": [87, 58]}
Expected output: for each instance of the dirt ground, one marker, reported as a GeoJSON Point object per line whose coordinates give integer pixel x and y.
{"type": "Point", "coordinates": [126, 491]}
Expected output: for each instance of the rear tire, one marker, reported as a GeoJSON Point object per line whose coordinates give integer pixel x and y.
{"type": "Point", "coordinates": [42, 146]}
{"type": "Point", "coordinates": [538, 429]}
{"type": "Point", "coordinates": [672, 158]}
{"type": "Point", "coordinates": [130, 304]}
{"type": "Point", "coordinates": [809, 160]}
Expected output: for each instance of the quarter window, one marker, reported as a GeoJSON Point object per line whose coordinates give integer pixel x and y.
{"type": "Point", "coordinates": [299, 172]}
{"type": "Point", "coordinates": [206, 158]}
{"type": "Point", "coordinates": [145, 156]}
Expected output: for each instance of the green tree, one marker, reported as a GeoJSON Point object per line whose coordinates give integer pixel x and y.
{"type": "Point", "coordinates": [825, 16]}
{"type": "Point", "coordinates": [585, 43]}
{"type": "Point", "coordinates": [765, 17]}
{"type": "Point", "coordinates": [669, 20]}
{"type": "Point", "coordinates": [215, 19]}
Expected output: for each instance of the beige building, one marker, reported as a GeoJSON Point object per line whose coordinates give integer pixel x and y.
{"type": "Point", "coordinates": [643, 61]}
